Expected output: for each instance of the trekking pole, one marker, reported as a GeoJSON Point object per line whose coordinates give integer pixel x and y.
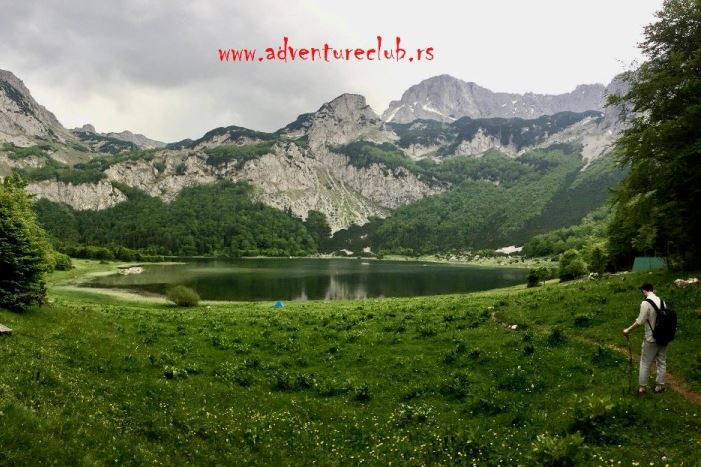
{"type": "Point", "coordinates": [630, 365]}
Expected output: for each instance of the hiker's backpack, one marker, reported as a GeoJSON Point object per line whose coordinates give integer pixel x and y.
{"type": "Point", "coordinates": [665, 324]}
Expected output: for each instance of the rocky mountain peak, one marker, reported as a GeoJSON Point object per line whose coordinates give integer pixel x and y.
{"type": "Point", "coordinates": [88, 134]}
{"type": "Point", "coordinates": [21, 117]}
{"type": "Point", "coordinates": [87, 128]}
{"type": "Point", "coordinates": [344, 119]}
{"type": "Point", "coordinates": [138, 139]}
{"type": "Point", "coordinates": [445, 98]}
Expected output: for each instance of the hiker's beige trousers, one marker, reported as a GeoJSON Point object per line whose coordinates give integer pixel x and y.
{"type": "Point", "coordinates": [653, 353]}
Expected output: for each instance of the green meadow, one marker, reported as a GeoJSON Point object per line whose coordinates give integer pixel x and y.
{"type": "Point", "coordinates": [511, 376]}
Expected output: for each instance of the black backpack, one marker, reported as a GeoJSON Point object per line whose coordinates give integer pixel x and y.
{"type": "Point", "coordinates": [665, 324]}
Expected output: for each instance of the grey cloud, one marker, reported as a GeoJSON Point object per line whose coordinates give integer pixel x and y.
{"type": "Point", "coordinates": [152, 66]}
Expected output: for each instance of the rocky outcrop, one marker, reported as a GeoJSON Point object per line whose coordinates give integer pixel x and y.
{"type": "Point", "coordinates": [96, 196]}
{"type": "Point", "coordinates": [290, 177]}
{"type": "Point", "coordinates": [447, 99]}
{"type": "Point", "coordinates": [141, 141]}
{"type": "Point", "coordinates": [346, 118]}
{"type": "Point", "coordinates": [22, 118]}
{"type": "Point", "coordinates": [482, 142]}
{"type": "Point", "coordinates": [165, 175]}
{"type": "Point", "coordinates": [138, 140]}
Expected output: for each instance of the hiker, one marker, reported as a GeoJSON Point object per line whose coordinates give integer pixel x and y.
{"type": "Point", "coordinates": [651, 349]}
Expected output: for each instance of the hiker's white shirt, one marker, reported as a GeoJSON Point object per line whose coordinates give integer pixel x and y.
{"type": "Point", "coordinates": [648, 313]}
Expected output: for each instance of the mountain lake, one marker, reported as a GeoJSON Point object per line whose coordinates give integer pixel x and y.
{"type": "Point", "coordinates": [311, 278]}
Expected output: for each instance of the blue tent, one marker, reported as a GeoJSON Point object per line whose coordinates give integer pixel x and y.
{"type": "Point", "coordinates": [278, 304]}
{"type": "Point", "coordinates": [648, 263]}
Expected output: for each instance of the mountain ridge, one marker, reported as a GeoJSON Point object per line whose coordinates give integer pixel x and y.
{"type": "Point", "coordinates": [446, 98]}
{"type": "Point", "coordinates": [342, 160]}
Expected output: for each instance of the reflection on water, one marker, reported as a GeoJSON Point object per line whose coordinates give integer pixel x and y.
{"type": "Point", "coordinates": [339, 290]}
{"type": "Point", "coordinates": [313, 279]}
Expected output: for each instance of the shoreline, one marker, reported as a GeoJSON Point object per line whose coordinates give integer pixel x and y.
{"type": "Point", "coordinates": [507, 262]}
{"type": "Point", "coordinates": [72, 281]}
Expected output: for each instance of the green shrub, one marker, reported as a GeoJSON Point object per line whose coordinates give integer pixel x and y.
{"type": "Point", "coordinates": [457, 386]}
{"type": "Point", "coordinates": [696, 369]}
{"type": "Point", "coordinates": [171, 372]}
{"type": "Point", "coordinates": [183, 296]}
{"type": "Point", "coordinates": [60, 262]}
{"type": "Point", "coordinates": [362, 393]}
{"type": "Point", "coordinates": [582, 320]}
{"type": "Point", "coordinates": [601, 420]}
{"type": "Point", "coordinates": [406, 415]}
{"type": "Point", "coordinates": [532, 279]}
{"type": "Point", "coordinates": [560, 451]}
{"type": "Point", "coordinates": [233, 374]}
{"type": "Point", "coordinates": [572, 266]}
{"type": "Point", "coordinates": [556, 336]}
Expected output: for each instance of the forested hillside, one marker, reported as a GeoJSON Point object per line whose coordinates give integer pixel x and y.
{"type": "Point", "coordinates": [215, 219]}
{"type": "Point", "coordinates": [497, 201]}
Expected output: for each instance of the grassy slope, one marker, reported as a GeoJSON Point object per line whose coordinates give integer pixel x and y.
{"type": "Point", "coordinates": [101, 381]}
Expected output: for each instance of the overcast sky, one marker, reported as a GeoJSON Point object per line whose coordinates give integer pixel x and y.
{"type": "Point", "coordinates": [153, 66]}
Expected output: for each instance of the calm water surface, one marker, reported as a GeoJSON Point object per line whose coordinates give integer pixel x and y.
{"type": "Point", "coordinates": [301, 279]}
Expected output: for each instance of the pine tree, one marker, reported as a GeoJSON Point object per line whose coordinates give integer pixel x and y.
{"type": "Point", "coordinates": [23, 248]}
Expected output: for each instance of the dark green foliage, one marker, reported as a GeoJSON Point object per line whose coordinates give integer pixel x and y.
{"type": "Point", "coordinates": [572, 265]}
{"type": "Point", "coordinates": [160, 166]}
{"type": "Point", "coordinates": [59, 220]}
{"type": "Point", "coordinates": [657, 203]}
{"type": "Point", "coordinates": [516, 132]}
{"type": "Point", "coordinates": [107, 253]}
{"type": "Point", "coordinates": [582, 320]}
{"type": "Point", "coordinates": [579, 195]}
{"type": "Point", "coordinates": [601, 420]}
{"type": "Point", "coordinates": [481, 213]}
{"type": "Point", "coordinates": [577, 237]}
{"type": "Point", "coordinates": [558, 451]}
{"type": "Point", "coordinates": [318, 227]}
{"type": "Point", "coordinates": [455, 386]}
{"type": "Point", "coordinates": [363, 154]}
{"type": "Point", "coordinates": [362, 393]}
{"type": "Point", "coordinates": [52, 170]}
{"type": "Point", "coordinates": [105, 144]}
{"type": "Point", "coordinates": [180, 169]}
{"type": "Point", "coordinates": [60, 262]}
{"type": "Point", "coordinates": [88, 172]}
{"type": "Point", "coordinates": [424, 133]}
{"type": "Point", "coordinates": [215, 220]}
{"type": "Point", "coordinates": [556, 336]}
{"type": "Point", "coordinates": [493, 166]}
{"type": "Point", "coordinates": [354, 238]}
{"type": "Point", "coordinates": [183, 296]}
{"type": "Point", "coordinates": [16, 152]}
{"type": "Point", "coordinates": [533, 278]}
{"type": "Point", "coordinates": [24, 249]}
{"type": "Point", "coordinates": [597, 260]}
{"type": "Point", "coordinates": [239, 155]}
